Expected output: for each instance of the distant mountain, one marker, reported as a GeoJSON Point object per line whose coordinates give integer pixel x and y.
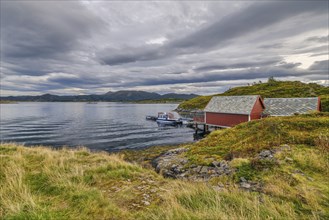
{"type": "Point", "coordinates": [119, 96]}
{"type": "Point", "coordinates": [179, 96]}
{"type": "Point", "coordinates": [132, 96]}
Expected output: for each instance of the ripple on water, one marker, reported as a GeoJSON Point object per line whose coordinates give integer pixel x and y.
{"type": "Point", "coordinates": [106, 126]}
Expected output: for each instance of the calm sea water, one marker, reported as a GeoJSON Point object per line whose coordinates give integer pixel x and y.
{"type": "Point", "coordinates": [102, 126]}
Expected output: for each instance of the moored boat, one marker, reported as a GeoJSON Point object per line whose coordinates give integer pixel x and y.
{"type": "Point", "coordinates": [151, 118]}
{"type": "Point", "coordinates": [167, 119]}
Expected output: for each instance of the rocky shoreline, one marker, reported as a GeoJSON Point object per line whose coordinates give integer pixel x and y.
{"type": "Point", "coordinates": [172, 164]}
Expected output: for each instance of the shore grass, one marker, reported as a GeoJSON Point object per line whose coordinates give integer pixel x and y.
{"type": "Point", "coordinates": [7, 102]}
{"type": "Point", "coordinates": [42, 183]}
{"type": "Point", "coordinates": [144, 157]}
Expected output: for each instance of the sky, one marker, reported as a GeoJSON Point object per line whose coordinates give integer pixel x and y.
{"type": "Point", "coordinates": [203, 47]}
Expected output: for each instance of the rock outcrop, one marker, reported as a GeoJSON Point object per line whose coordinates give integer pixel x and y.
{"type": "Point", "coordinates": [174, 165]}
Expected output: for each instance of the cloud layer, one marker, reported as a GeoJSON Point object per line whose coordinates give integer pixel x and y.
{"type": "Point", "coordinates": [83, 47]}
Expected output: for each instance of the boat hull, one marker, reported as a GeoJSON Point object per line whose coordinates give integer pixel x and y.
{"type": "Point", "coordinates": [168, 122]}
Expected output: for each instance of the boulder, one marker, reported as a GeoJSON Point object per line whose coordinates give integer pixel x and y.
{"type": "Point", "coordinates": [173, 165]}
{"type": "Point", "coordinates": [266, 154]}
{"type": "Point", "coordinates": [215, 163]}
{"type": "Point", "coordinates": [242, 179]}
{"type": "Point", "coordinates": [245, 185]}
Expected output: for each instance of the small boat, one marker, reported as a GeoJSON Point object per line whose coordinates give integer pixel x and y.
{"type": "Point", "coordinates": [167, 119]}
{"type": "Point", "coordinates": [151, 118]}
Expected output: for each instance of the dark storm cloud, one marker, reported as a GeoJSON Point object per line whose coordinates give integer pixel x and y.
{"type": "Point", "coordinates": [312, 49]}
{"type": "Point", "coordinates": [271, 46]}
{"type": "Point", "coordinates": [75, 81]}
{"type": "Point", "coordinates": [320, 66]}
{"type": "Point", "coordinates": [112, 56]}
{"type": "Point", "coordinates": [226, 75]}
{"type": "Point", "coordinates": [249, 20]}
{"type": "Point", "coordinates": [175, 72]}
{"type": "Point", "coordinates": [43, 29]}
{"type": "Point", "coordinates": [319, 39]}
{"type": "Point", "coordinates": [289, 65]}
{"type": "Point", "coordinates": [65, 46]}
{"type": "Point", "coordinates": [237, 65]}
{"type": "Point", "coordinates": [240, 23]}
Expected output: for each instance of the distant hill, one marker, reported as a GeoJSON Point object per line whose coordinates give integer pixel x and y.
{"type": "Point", "coordinates": [270, 89]}
{"type": "Point", "coordinates": [132, 96]}
{"type": "Point", "coordinates": [119, 96]}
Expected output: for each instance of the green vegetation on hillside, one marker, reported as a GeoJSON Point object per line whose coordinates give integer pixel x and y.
{"type": "Point", "coordinates": [299, 173]}
{"type": "Point", "coordinates": [247, 139]}
{"type": "Point", "coordinates": [270, 89]}
{"type": "Point", "coordinates": [41, 183]}
{"type": "Point", "coordinates": [156, 101]}
{"type": "Point", "coordinates": [7, 102]}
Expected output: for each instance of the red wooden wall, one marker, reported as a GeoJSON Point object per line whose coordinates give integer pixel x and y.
{"type": "Point", "coordinates": [257, 110]}
{"type": "Point", "coordinates": [227, 120]}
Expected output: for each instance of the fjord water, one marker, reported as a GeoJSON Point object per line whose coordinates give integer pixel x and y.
{"type": "Point", "coordinates": [101, 126]}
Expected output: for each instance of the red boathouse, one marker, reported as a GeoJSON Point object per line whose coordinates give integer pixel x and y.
{"type": "Point", "coordinates": [228, 111]}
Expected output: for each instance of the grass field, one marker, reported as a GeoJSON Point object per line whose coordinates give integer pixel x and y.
{"type": "Point", "coordinates": [41, 183]}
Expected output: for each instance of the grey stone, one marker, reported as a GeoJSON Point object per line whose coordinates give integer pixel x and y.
{"type": "Point", "coordinates": [227, 171]}
{"type": "Point", "coordinates": [242, 179]}
{"type": "Point", "coordinates": [146, 195]}
{"type": "Point", "coordinates": [265, 153]}
{"type": "Point", "coordinates": [204, 170]}
{"type": "Point", "coordinates": [182, 175]}
{"type": "Point", "coordinates": [245, 185]}
{"type": "Point", "coordinates": [172, 165]}
{"type": "Point", "coordinates": [285, 147]}
{"type": "Point", "coordinates": [184, 161]}
{"type": "Point", "coordinates": [177, 151]}
{"type": "Point", "coordinates": [147, 203]}
{"type": "Point", "coordinates": [211, 170]}
{"type": "Point", "coordinates": [198, 169]}
{"type": "Point", "coordinates": [215, 163]}
{"type": "Point", "coordinates": [223, 163]}
{"type": "Point", "coordinates": [220, 170]}
{"type": "Point", "coordinates": [217, 188]}
{"type": "Point", "coordinates": [193, 166]}
{"type": "Point", "coordinates": [299, 172]}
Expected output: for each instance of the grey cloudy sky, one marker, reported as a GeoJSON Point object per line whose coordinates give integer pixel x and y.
{"type": "Point", "coordinates": [84, 47]}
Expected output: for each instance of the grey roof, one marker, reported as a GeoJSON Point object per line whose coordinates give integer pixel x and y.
{"type": "Point", "coordinates": [290, 106]}
{"type": "Point", "coordinates": [232, 104]}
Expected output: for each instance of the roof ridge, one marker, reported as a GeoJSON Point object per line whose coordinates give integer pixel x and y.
{"type": "Point", "coordinates": [232, 104]}
{"type": "Point", "coordinates": [313, 97]}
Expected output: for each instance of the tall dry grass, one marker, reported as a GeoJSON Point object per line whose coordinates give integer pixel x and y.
{"type": "Point", "coordinates": [40, 183]}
